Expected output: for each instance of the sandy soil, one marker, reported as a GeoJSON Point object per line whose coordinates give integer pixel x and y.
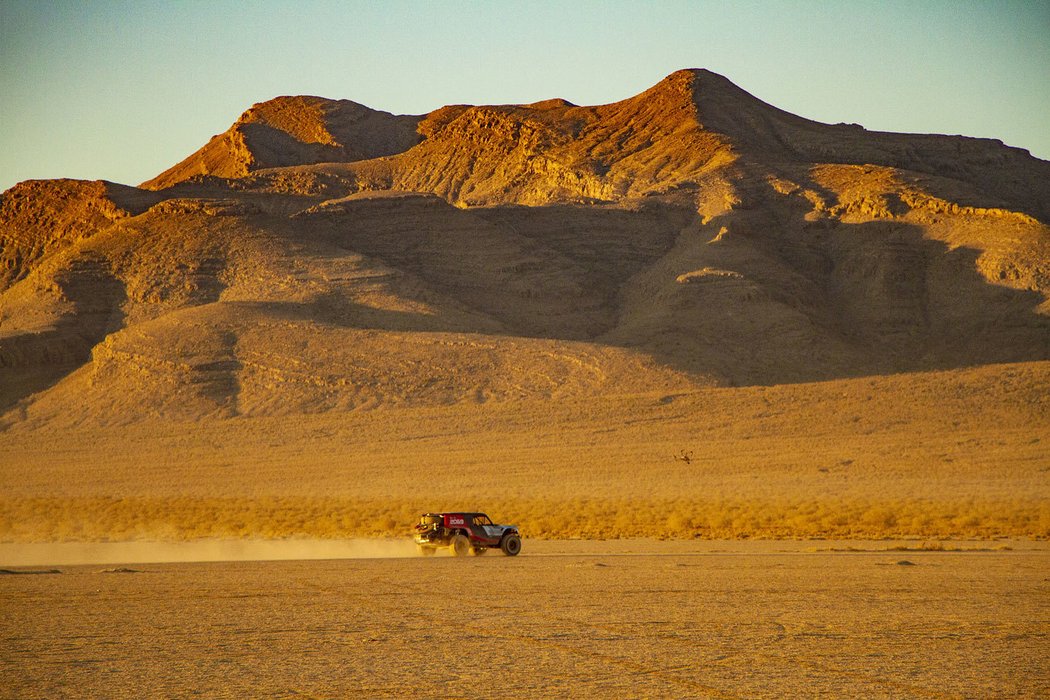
{"type": "Point", "coordinates": [586, 619]}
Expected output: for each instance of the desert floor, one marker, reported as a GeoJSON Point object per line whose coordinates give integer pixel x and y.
{"type": "Point", "coordinates": [956, 454]}
{"type": "Point", "coordinates": [581, 619]}
{"type": "Point", "coordinates": [726, 598]}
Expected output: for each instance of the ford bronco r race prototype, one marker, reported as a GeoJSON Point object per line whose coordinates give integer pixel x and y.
{"type": "Point", "coordinates": [465, 533]}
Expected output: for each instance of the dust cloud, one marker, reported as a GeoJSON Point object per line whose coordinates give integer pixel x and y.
{"type": "Point", "coordinates": [143, 552]}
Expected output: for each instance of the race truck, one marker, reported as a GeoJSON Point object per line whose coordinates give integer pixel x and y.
{"type": "Point", "coordinates": [464, 533]}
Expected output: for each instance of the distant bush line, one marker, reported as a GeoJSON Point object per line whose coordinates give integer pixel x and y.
{"type": "Point", "coordinates": [186, 518]}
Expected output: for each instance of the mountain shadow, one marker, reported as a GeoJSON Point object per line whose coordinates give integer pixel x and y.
{"type": "Point", "coordinates": [760, 301]}
{"type": "Point", "coordinates": [33, 362]}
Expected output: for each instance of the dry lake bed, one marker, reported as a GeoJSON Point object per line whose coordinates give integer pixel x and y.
{"type": "Point", "coordinates": [569, 618]}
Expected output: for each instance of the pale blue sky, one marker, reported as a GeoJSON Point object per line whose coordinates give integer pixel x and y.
{"type": "Point", "coordinates": [123, 90]}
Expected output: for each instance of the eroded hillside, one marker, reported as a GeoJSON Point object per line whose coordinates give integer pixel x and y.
{"type": "Point", "coordinates": [323, 256]}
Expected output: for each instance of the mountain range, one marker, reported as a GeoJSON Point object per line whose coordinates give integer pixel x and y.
{"type": "Point", "coordinates": [320, 255]}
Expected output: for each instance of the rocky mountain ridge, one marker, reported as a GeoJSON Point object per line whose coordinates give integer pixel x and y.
{"type": "Point", "coordinates": [321, 255]}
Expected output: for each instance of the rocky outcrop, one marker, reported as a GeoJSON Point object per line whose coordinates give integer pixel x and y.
{"type": "Point", "coordinates": [41, 217]}
{"type": "Point", "coordinates": [295, 131]}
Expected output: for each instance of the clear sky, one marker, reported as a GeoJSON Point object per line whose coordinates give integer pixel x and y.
{"type": "Point", "coordinates": [123, 90]}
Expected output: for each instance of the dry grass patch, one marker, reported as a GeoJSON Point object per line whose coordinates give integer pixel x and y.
{"type": "Point", "coordinates": [187, 518]}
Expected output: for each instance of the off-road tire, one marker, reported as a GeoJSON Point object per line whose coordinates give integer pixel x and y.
{"type": "Point", "coordinates": [511, 545]}
{"type": "Point", "coordinates": [426, 551]}
{"type": "Point", "coordinates": [459, 546]}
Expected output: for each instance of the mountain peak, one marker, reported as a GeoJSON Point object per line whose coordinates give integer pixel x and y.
{"type": "Point", "coordinates": [295, 130]}
{"type": "Point", "coordinates": [693, 79]}
{"type": "Point", "coordinates": [308, 118]}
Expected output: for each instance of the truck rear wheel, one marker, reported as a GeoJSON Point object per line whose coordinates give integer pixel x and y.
{"type": "Point", "coordinates": [511, 545]}
{"type": "Point", "coordinates": [459, 546]}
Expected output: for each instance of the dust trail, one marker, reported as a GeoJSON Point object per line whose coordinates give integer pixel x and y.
{"type": "Point", "coordinates": [74, 553]}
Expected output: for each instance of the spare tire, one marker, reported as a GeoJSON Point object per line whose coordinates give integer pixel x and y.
{"type": "Point", "coordinates": [511, 545]}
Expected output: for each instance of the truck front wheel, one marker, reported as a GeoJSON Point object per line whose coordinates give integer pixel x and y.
{"type": "Point", "coordinates": [511, 545]}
